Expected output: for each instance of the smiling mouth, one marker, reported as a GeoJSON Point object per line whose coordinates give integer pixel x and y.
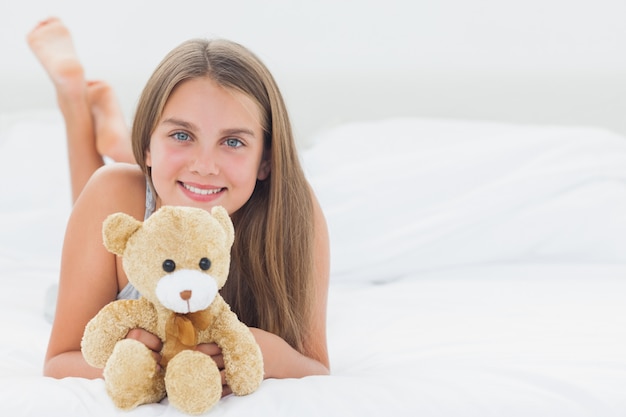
{"type": "Point", "coordinates": [201, 191]}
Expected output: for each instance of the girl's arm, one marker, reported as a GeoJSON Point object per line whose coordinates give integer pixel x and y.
{"type": "Point", "coordinates": [280, 359]}
{"type": "Point", "coordinates": [90, 275]}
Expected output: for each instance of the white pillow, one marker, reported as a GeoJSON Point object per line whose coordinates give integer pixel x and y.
{"type": "Point", "coordinates": [407, 195]}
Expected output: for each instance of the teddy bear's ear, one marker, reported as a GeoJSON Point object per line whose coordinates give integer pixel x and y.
{"type": "Point", "coordinates": [116, 230]}
{"type": "Point", "coordinates": [224, 220]}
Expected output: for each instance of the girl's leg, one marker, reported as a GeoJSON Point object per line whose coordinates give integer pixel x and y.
{"type": "Point", "coordinates": [52, 44]}
{"type": "Point", "coordinates": [112, 132]}
{"type": "Point", "coordinates": [94, 122]}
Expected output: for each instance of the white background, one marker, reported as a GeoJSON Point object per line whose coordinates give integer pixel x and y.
{"type": "Point", "coordinates": [460, 41]}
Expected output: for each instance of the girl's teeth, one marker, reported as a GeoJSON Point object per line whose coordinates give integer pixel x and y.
{"type": "Point", "coordinates": [201, 191]}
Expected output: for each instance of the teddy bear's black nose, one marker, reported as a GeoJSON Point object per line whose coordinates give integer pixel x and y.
{"type": "Point", "coordinates": [185, 295]}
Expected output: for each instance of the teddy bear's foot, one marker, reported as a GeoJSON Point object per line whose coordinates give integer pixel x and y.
{"type": "Point", "coordinates": [132, 377]}
{"type": "Point", "coordinates": [193, 382]}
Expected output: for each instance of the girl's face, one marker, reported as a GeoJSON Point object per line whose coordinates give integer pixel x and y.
{"type": "Point", "coordinates": [207, 148]}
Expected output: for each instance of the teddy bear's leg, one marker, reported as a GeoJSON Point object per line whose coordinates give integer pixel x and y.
{"type": "Point", "coordinates": [131, 375]}
{"type": "Point", "coordinates": [193, 382]}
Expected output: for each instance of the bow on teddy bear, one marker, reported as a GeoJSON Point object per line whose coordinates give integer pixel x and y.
{"type": "Point", "coordinates": [178, 259]}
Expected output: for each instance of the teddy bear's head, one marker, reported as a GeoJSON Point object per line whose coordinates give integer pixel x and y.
{"type": "Point", "coordinates": [178, 258]}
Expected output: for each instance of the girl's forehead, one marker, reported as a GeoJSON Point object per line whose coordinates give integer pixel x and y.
{"type": "Point", "coordinates": [202, 98]}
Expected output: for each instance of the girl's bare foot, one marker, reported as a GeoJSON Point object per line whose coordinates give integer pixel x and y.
{"type": "Point", "coordinates": [112, 133]}
{"type": "Point", "coordinates": [52, 44]}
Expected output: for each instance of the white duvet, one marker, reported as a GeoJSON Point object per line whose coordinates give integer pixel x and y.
{"type": "Point", "coordinates": [478, 269]}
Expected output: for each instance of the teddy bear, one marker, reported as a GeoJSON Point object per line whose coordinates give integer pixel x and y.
{"type": "Point", "coordinates": [178, 259]}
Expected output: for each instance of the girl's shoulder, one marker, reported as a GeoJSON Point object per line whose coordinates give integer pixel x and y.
{"type": "Point", "coordinates": [119, 175]}
{"type": "Point", "coordinates": [116, 187]}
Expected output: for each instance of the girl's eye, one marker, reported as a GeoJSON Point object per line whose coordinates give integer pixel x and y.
{"type": "Point", "coordinates": [233, 143]}
{"type": "Point", "coordinates": [182, 136]}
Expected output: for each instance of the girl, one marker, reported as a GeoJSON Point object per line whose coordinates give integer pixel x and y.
{"type": "Point", "coordinates": [210, 129]}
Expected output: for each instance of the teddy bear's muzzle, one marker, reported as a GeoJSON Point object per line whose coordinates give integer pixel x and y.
{"type": "Point", "coordinates": [186, 291]}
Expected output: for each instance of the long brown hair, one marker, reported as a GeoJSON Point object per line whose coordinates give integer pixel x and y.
{"type": "Point", "coordinates": [270, 281]}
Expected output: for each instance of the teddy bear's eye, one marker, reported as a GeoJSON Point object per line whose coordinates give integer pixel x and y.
{"type": "Point", "coordinates": [169, 265]}
{"type": "Point", "coordinates": [205, 264]}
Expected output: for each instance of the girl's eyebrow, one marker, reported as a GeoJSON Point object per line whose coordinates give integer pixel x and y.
{"type": "Point", "coordinates": [178, 122]}
{"type": "Point", "coordinates": [190, 126]}
{"type": "Point", "coordinates": [237, 132]}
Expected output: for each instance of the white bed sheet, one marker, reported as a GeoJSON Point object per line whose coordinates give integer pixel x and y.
{"type": "Point", "coordinates": [517, 309]}
{"type": "Point", "coordinates": [515, 340]}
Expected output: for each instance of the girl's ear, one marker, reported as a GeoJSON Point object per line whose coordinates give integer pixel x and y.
{"type": "Point", "coordinates": [148, 159]}
{"type": "Point", "coordinates": [264, 168]}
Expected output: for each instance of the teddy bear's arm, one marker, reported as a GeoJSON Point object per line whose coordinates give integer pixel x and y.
{"type": "Point", "coordinates": [243, 360]}
{"type": "Point", "coordinates": [111, 325]}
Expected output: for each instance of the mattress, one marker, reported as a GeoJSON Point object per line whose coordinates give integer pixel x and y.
{"type": "Point", "coordinates": [477, 269]}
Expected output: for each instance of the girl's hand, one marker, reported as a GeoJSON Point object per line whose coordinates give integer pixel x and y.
{"type": "Point", "coordinates": [215, 352]}
{"type": "Point", "coordinates": [151, 341]}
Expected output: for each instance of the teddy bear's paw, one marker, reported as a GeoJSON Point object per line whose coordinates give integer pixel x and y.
{"type": "Point", "coordinates": [244, 368]}
{"type": "Point", "coordinates": [132, 377]}
{"type": "Point", "coordinates": [193, 382]}
{"type": "Point", "coordinates": [242, 386]}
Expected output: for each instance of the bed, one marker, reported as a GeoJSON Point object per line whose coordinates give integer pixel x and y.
{"type": "Point", "coordinates": [478, 268]}
{"type": "Point", "coordinates": [477, 223]}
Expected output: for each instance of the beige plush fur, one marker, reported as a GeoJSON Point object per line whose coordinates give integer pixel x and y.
{"type": "Point", "coordinates": [183, 236]}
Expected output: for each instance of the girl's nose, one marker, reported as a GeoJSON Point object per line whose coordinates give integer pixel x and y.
{"type": "Point", "coordinates": [204, 163]}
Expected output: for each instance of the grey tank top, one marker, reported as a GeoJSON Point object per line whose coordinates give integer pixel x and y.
{"type": "Point", "coordinates": [129, 292]}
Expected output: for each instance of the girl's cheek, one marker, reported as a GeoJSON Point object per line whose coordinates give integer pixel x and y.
{"type": "Point", "coordinates": [170, 155]}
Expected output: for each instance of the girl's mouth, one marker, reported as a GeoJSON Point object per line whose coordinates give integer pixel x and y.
{"type": "Point", "coordinates": [201, 191]}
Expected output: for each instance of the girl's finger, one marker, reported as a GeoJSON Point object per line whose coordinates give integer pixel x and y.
{"type": "Point", "coordinates": [211, 349]}
{"type": "Point", "coordinates": [151, 341]}
{"type": "Point", "coordinates": [225, 388]}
